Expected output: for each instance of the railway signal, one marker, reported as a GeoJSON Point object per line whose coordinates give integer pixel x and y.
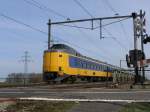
{"type": "Point", "coordinates": [137, 55]}
{"type": "Point", "coordinates": [146, 40]}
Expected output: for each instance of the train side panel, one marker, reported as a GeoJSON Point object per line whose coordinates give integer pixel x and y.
{"type": "Point", "coordinates": [61, 63]}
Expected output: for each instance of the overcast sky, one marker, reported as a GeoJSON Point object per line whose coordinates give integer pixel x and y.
{"type": "Point", "coordinates": [17, 38]}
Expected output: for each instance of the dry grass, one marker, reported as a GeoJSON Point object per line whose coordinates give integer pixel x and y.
{"type": "Point", "coordinates": [39, 106]}
{"type": "Point", "coordinates": [136, 107]}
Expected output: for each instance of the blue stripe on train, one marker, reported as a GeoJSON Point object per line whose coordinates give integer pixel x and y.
{"type": "Point", "coordinates": [75, 62]}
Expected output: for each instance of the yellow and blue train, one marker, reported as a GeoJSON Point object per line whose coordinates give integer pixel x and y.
{"type": "Point", "coordinates": [62, 61]}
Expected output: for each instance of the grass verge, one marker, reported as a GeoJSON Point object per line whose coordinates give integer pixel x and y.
{"type": "Point", "coordinates": [40, 106]}
{"type": "Point", "coordinates": [136, 107]}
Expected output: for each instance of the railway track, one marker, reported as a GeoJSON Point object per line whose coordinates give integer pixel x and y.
{"type": "Point", "coordinates": [81, 85]}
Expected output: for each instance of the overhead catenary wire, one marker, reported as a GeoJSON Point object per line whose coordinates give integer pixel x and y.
{"type": "Point", "coordinates": [43, 7]}
{"type": "Point", "coordinates": [22, 23]}
{"type": "Point", "coordinates": [86, 11]}
{"type": "Point", "coordinates": [114, 38]}
{"type": "Point", "coordinates": [77, 2]}
{"type": "Point", "coordinates": [107, 24]}
{"type": "Point", "coordinates": [110, 6]}
{"type": "Point", "coordinates": [116, 13]}
{"type": "Point", "coordinates": [89, 28]}
{"type": "Point", "coordinates": [43, 32]}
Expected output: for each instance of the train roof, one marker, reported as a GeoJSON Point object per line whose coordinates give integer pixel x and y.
{"type": "Point", "coordinates": [65, 48]}
{"type": "Point", "coordinates": [68, 49]}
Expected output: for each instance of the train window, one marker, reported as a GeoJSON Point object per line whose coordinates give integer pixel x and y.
{"type": "Point", "coordinates": [94, 67]}
{"type": "Point", "coordinates": [91, 66]}
{"type": "Point", "coordinates": [84, 65]}
{"type": "Point", "coordinates": [88, 65]}
{"type": "Point", "coordinates": [102, 67]}
{"type": "Point", "coordinates": [78, 63]}
{"type": "Point", "coordinates": [81, 65]}
{"type": "Point", "coordinates": [107, 68]}
{"type": "Point", "coordinates": [99, 67]}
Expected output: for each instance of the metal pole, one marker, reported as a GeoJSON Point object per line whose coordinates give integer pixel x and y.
{"type": "Point", "coordinates": [101, 29]}
{"type": "Point", "coordinates": [49, 34]}
{"type": "Point", "coordinates": [25, 67]}
{"type": "Point", "coordinates": [26, 62]}
{"type": "Point", "coordinates": [142, 45]}
{"type": "Point", "coordinates": [107, 77]}
{"type": "Point", "coordinates": [120, 63]}
{"type": "Point", "coordinates": [135, 47]}
{"type": "Point", "coordinates": [91, 19]}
